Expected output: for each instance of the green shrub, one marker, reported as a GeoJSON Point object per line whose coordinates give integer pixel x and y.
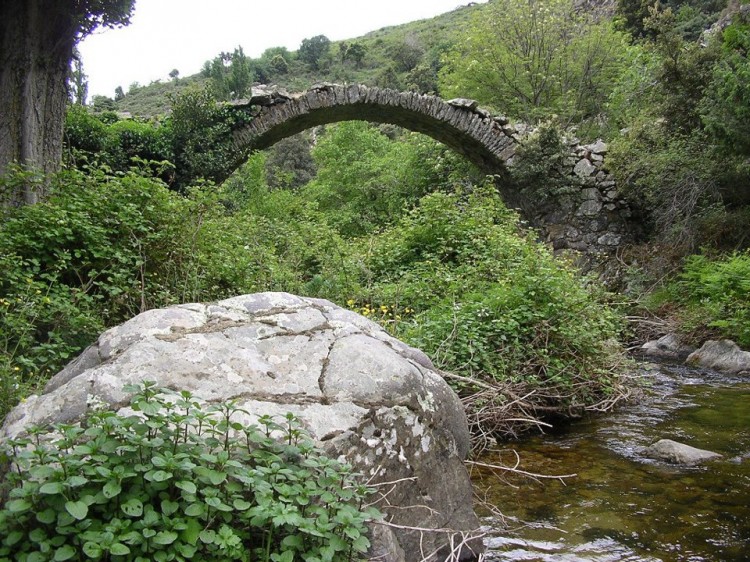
{"type": "Point", "coordinates": [129, 139]}
{"type": "Point", "coordinates": [84, 131]}
{"type": "Point", "coordinates": [489, 302]}
{"type": "Point", "coordinates": [716, 294]}
{"type": "Point", "coordinates": [103, 248]}
{"type": "Point", "coordinates": [179, 481]}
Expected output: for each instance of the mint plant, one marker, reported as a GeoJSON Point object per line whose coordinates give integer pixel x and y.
{"type": "Point", "coordinates": [178, 481]}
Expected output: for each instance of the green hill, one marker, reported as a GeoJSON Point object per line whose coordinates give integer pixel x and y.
{"type": "Point", "coordinates": [405, 56]}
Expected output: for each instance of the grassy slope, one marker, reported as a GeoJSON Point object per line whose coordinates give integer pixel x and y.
{"type": "Point", "coordinates": [429, 36]}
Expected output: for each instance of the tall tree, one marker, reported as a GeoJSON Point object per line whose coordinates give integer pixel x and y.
{"type": "Point", "coordinates": [312, 50]}
{"type": "Point", "coordinates": [240, 77]}
{"type": "Point", "coordinates": [78, 83]}
{"type": "Point", "coordinates": [532, 58]}
{"type": "Point", "coordinates": [37, 38]}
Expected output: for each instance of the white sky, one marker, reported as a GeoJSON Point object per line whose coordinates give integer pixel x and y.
{"type": "Point", "coordinates": [183, 34]}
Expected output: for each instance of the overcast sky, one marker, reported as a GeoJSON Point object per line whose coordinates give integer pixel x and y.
{"type": "Point", "coordinates": [183, 34]}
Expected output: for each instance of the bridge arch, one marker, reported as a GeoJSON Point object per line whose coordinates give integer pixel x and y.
{"type": "Point", "coordinates": [483, 139]}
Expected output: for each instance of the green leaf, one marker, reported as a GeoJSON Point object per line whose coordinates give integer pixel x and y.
{"type": "Point", "coordinates": [187, 486]}
{"type": "Point", "coordinates": [111, 489]}
{"type": "Point", "coordinates": [241, 505]}
{"type": "Point", "coordinates": [132, 508]}
{"type": "Point", "coordinates": [168, 507]}
{"type": "Point", "coordinates": [119, 549]}
{"type": "Point", "coordinates": [159, 476]}
{"type": "Point", "coordinates": [216, 477]}
{"type": "Point", "coordinates": [64, 553]}
{"type": "Point", "coordinates": [51, 488]}
{"type": "Point", "coordinates": [76, 481]}
{"type": "Point", "coordinates": [293, 541]}
{"type": "Point", "coordinates": [165, 537]}
{"type": "Point", "coordinates": [191, 532]}
{"type": "Point", "coordinates": [287, 556]}
{"type": "Point", "coordinates": [48, 516]}
{"type": "Point", "coordinates": [361, 544]}
{"type": "Point", "coordinates": [37, 535]}
{"type": "Point", "coordinates": [92, 550]}
{"type": "Point", "coordinates": [186, 550]}
{"type": "Point", "coordinates": [77, 509]}
{"type": "Point", "coordinates": [18, 506]}
{"type": "Point", "coordinates": [13, 538]}
{"type": "Point", "coordinates": [195, 510]}
{"type": "Point", "coordinates": [207, 536]}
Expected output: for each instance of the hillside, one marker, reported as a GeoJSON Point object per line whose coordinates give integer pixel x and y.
{"type": "Point", "coordinates": [405, 56]}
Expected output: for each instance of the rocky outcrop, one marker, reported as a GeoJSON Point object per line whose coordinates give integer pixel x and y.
{"type": "Point", "coordinates": [723, 356]}
{"type": "Point", "coordinates": [668, 348]}
{"type": "Point", "coordinates": [679, 453]}
{"type": "Point", "coordinates": [362, 394]}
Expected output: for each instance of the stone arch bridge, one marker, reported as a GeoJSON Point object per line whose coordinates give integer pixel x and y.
{"type": "Point", "coordinates": [485, 140]}
{"type": "Point", "coordinates": [589, 217]}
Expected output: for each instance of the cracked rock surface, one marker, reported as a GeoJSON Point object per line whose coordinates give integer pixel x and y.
{"type": "Point", "coordinates": [362, 394]}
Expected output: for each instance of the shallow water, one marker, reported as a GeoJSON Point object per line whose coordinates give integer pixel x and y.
{"type": "Point", "coordinates": [622, 506]}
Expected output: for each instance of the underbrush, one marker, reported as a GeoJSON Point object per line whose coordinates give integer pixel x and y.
{"type": "Point", "coordinates": [105, 247]}
{"type": "Point", "coordinates": [710, 297]}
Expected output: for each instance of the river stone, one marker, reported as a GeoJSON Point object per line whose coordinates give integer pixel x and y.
{"type": "Point", "coordinates": [667, 347]}
{"type": "Point", "coordinates": [679, 453]}
{"type": "Point", "coordinates": [362, 394]}
{"type": "Point", "coordinates": [723, 356]}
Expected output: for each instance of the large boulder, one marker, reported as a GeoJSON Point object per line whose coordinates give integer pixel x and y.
{"type": "Point", "coordinates": [723, 356]}
{"type": "Point", "coordinates": [362, 394]}
{"type": "Point", "coordinates": [679, 453]}
{"type": "Point", "coordinates": [668, 347]}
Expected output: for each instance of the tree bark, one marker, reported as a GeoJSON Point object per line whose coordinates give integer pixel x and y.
{"type": "Point", "coordinates": [36, 46]}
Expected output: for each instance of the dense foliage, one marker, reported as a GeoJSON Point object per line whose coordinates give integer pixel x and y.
{"type": "Point", "coordinates": [392, 227]}
{"type": "Point", "coordinates": [192, 144]}
{"type": "Point", "coordinates": [534, 59]}
{"type": "Point", "coordinates": [714, 297]}
{"type": "Point", "coordinates": [178, 481]}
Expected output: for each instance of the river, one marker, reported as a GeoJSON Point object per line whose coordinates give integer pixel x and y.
{"type": "Point", "coordinates": [622, 506]}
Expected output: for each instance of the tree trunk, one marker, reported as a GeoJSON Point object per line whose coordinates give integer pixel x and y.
{"type": "Point", "coordinates": [36, 46]}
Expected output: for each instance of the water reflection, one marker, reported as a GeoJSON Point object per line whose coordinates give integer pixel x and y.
{"type": "Point", "coordinates": [622, 506]}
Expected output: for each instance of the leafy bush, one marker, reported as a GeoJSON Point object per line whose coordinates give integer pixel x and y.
{"type": "Point", "coordinates": [726, 104]}
{"type": "Point", "coordinates": [179, 481]}
{"type": "Point", "coordinates": [99, 250]}
{"type": "Point", "coordinates": [534, 59]}
{"type": "Point", "coordinates": [129, 139]}
{"type": "Point", "coordinates": [489, 302]}
{"type": "Point", "coordinates": [671, 178]}
{"type": "Point", "coordinates": [715, 294]}
{"type": "Point", "coordinates": [84, 131]}
{"type": "Point", "coordinates": [365, 180]}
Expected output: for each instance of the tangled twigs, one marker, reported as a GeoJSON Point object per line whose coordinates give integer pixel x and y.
{"type": "Point", "coordinates": [459, 542]}
{"type": "Point", "coordinates": [506, 410]}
